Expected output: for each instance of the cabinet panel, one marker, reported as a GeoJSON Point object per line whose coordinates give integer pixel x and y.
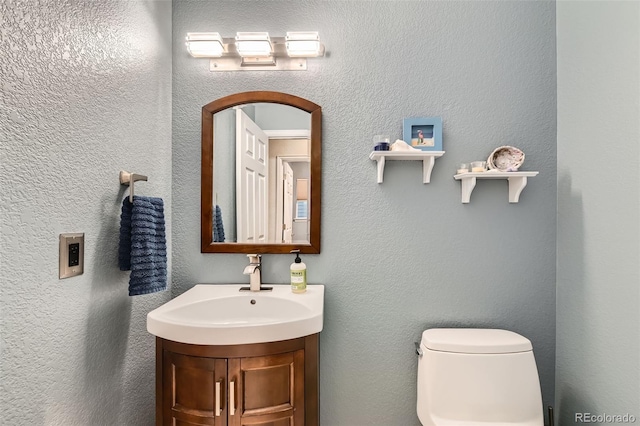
{"type": "Point", "coordinates": [283, 376]}
{"type": "Point", "coordinates": [264, 421]}
{"type": "Point", "coordinates": [194, 390]}
{"type": "Point", "coordinates": [185, 423]}
{"type": "Point", "coordinates": [273, 373]}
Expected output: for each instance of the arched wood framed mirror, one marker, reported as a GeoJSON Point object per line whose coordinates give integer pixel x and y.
{"type": "Point", "coordinates": [261, 174]}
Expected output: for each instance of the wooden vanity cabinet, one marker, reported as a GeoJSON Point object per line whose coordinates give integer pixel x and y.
{"type": "Point", "coordinates": [262, 384]}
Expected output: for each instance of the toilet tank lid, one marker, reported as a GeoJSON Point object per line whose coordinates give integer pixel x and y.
{"type": "Point", "coordinates": [475, 341]}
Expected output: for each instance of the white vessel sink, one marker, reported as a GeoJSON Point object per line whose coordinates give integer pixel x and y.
{"type": "Point", "coordinates": [220, 314]}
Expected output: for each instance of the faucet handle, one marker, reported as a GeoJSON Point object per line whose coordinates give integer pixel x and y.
{"type": "Point", "coordinates": [254, 258]}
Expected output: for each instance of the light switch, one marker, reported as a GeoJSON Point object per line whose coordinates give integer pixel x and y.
{"type": "Point", "coordinates": [71, 255]}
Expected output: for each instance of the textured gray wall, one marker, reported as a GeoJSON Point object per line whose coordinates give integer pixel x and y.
{"type": "Point", "coordinates": [598, 345]}
{"type": "Point", "coordinates": [86, 92]}
{"type": "Point", "coordinates": [402, 256]}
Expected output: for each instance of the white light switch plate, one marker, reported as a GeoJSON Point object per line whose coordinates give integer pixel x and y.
{"type": "Point", "coordinates": [71, 255]}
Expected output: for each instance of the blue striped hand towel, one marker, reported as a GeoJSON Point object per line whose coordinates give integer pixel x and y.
{"type": "Point", "coordinates": [143, 246]}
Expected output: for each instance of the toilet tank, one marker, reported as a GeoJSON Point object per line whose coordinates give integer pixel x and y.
{"type": "Point", "coordinates": [471, 376]}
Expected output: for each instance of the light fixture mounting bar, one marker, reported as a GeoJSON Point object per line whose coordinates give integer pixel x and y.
{"type": "Point", "coordinates": [280, 61]}
{"type": "Point", "coordinates": [236, 64]}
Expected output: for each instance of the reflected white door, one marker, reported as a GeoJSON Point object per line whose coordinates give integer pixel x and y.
{"type": "Point", "coordinates": [252, 153]}
{"type": "Point", "coordinates": [287, 213]}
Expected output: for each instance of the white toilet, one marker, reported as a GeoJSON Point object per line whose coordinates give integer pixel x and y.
{"type": "Point", "coordinates": [483, 377]}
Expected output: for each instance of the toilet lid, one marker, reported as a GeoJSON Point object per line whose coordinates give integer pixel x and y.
{"type": "Point", "coordinates": [475, 341]}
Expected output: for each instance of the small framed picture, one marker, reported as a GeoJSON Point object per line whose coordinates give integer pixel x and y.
{"type": "Point", "coordinates": [423, 133]}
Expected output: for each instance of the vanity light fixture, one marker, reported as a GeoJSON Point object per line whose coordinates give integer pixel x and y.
{"type": "Point", "coordinates": [205, 45]}
{"type": "Point", "coordinates": [304, 44]}
{"type": "Point", "coordinates": [256, 50]}
{"type": "Point", "coordinates": [253, 44]}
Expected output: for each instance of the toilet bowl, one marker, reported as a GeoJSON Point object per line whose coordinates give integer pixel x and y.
{"type": "Point", "coordinates": [477, 377]}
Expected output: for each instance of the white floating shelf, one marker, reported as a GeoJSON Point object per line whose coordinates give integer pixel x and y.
{"type": "Point", "coordinates": [517, 182]}
{"type": "Point", "coordinates": [428, 159]}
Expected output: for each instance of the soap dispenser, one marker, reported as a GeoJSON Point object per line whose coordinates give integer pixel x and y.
{"type": "Point", "coordinates": [298, 274]}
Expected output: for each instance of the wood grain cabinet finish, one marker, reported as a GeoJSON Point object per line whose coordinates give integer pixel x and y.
{"type": "Point", "coordinates": [263, 384]}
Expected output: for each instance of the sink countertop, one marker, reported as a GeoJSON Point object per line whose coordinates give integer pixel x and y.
{"type": "Point", "coordinates": [219, 314]}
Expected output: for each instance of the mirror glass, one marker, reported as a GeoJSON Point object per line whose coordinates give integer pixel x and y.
{"type": "Point", "coordinates": [261, 174]}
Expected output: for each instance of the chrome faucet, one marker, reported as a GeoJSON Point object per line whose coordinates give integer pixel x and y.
{"type": "Point", "coordinates": [253, 270]}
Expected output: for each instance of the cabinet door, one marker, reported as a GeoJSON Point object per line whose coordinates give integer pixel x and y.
{"type": "Point", "coordinates": [267, 390]}
{"type": "Point", "coordinates": [194, 390]}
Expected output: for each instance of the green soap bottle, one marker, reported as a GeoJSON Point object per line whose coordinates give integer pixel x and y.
{"type": "Point", "coordinates": [298, 274]}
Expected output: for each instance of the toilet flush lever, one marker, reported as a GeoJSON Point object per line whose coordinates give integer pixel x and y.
{"type": "Point", "coordinates": [418, 348]}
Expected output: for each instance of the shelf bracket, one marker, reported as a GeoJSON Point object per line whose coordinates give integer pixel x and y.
{"type": "Point", "coordinates": [467, 189]}
{"type": "Point", "coordinates": [427, 166]}
{"type": "Point", "coordinates": [380, 162]}
{"type": "Point", "coordinates": [516, 185]}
